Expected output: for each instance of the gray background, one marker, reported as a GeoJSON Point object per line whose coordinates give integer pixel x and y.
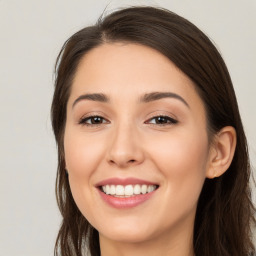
{"type": "Point", "coordinates": [31, 34]}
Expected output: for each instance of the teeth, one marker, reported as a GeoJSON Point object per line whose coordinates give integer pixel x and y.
{"type": "Point", "coordinates": [119, 190]}
{"type": "Point", "coordinates": [128, 190]}
{"type": "Point", "coordinates": [144, 189]}
{"type": "Point", "coordinates": [136, 189]}
{"type": "Point", "coordinates": [112, 190]}
{"type": "Point", "coordinates": [107, 189]}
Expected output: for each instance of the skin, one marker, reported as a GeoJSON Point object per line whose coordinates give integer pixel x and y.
{"type": "Point", "coordinates": [129, 142]}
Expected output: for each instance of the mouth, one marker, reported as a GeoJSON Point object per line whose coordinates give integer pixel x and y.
{"type": "Point", "coordinates": [130, 190]}
{"type": "Point", "coordinates": [124, 193]}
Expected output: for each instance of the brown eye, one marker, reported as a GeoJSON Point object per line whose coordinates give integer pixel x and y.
{"type": "Point", "coordinates": [93, 120]}
{"type": "Point", "coordinates": [162, 120]}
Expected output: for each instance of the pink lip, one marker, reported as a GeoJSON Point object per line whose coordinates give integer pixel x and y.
{"type": "Point", "coordinates": [126, 181]}
{"type": "Point", "coordinates": [127, 202]}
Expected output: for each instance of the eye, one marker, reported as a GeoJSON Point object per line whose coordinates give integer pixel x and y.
{"type": "Point", "coordinates": [93, 120]}
{"type": "Point", "coordinates": [161, 120]}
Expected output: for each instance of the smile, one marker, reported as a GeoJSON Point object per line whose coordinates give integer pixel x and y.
{"type": "Point", "coordinates": [126, 193]}
{"type": "Point", "coordinates": [128, 190]}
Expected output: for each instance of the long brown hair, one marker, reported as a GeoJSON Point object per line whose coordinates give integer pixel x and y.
{"type": "Point", "coordinates": [225, 211]}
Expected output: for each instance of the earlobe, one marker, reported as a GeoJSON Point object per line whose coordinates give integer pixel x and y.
{"type": "Point", "coordinates": [222, 152]}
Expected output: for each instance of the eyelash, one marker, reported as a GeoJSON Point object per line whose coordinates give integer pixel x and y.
{"type": "Point", "coordinates": [168, 120]}
{"type": "Point", "coordinates": [85, 119]}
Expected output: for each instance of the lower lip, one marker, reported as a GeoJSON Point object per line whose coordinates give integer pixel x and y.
{"type": "Point", "coordinates": [126, 202]}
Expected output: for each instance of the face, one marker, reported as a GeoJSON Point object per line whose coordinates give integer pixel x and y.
{"type": "Point", "coordinates": [136, 143]}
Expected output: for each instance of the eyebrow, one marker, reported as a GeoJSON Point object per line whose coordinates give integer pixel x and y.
{"type": "Point", "coordinates": [93, 97]}
{"type": "Point", "coordinates": [148, 97]}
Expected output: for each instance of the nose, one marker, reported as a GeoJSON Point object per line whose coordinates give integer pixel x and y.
{"type": "Point", "coordinates": [125, 148]}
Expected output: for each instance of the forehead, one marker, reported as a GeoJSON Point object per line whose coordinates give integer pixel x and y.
{"type": "Point", "coordinates": [125, 70]}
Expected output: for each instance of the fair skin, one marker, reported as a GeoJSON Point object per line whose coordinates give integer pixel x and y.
{"type": "Point", "coordinates": [128, 139]}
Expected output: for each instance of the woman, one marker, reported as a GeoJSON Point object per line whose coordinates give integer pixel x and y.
{"type": "Point", "coordinates": [152, 154]}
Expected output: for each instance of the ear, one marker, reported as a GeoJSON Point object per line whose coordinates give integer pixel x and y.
{"type": "Point", "coordinates": [221, 152]}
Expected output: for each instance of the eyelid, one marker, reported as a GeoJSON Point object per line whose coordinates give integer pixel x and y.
{"type": "Point", "coordinates": [153, 115]}
{"type": "Point", "coordinates": [84, 118]}
{"type": "Point", "coordinates": [173, 120]}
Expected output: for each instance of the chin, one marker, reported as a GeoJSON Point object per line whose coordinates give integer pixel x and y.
{"type": "Point", "coordinates": [126, 233]}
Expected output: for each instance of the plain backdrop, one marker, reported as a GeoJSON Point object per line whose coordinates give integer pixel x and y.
{"type": "Point", "coordinates": [31, 35]}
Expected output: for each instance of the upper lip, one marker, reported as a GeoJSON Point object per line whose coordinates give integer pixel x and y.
{"type": "Point", "coordinates": [124, 181]}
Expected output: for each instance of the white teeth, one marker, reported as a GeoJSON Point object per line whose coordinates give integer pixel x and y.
{"type": "Point", "coordinates": [128, 190]}
{"type": "Point", "coordinates": [119, 190]}
{"type": "Point", "coordinates": [150, 189]}
{"type": "Point", "coordinates": [144, 189]}
{"type": "Point", "coordinates": [107, 189]}
{"type": "Point", "coordinates": [112, 190]}
{"type": "Point", "coordinates": [136, 189]}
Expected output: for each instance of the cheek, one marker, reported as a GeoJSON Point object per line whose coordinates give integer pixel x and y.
{"type": "Point", "coordinates": [181, 152]}
{"type": "Point", "coordinates": [182, 160]}
{"type": "Point", "coordinates": [82, 153]}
